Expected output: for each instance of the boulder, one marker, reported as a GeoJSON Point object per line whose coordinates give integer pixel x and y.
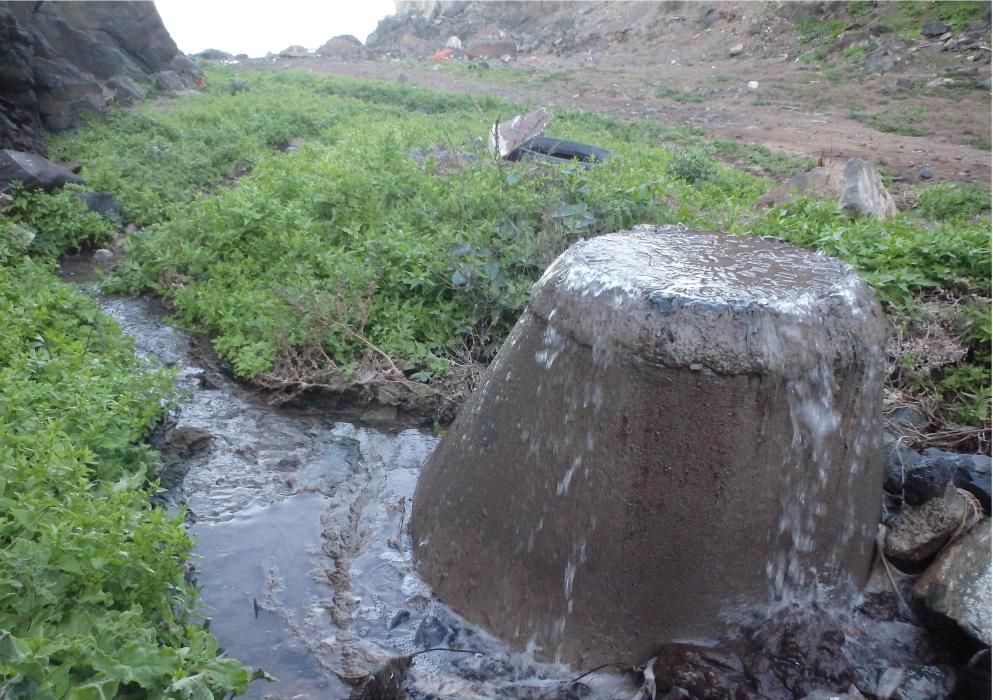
{"type": "Point", "coordinates": [169, 81]}
{"type": "Point", "coordinates": [60, 58]}
{"type": "Point", "coordinates": [955, 590]}
{"type": "Point", "coordinates": [854, 185]}
{"type": "Point", "coordinates": [295, 51]}
{"type": "Point", "coordinates": [126, 91]}
{"type": "Point", "coordinates": [214, 55]}
{"type": "Point", "coordinates": [33, 171]}
{"type": "Point", "coordinates": [933, 30]}
{"type": "Point", "coordinates": [492, 48]}
{"type": "Point", "coordinates": [919, 532]}
{"type": "Point", "coordinates": [345, 46]}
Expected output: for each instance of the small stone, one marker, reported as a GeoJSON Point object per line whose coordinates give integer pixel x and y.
{"type": "Point", "coordinates": [736, 50]}
{"type": "Point", "coordinates": [905, 417]}
{"type": "Point", "coordinates": [185, 441]}
{"type": "Point", "coordinates": [926, 173]}
{"type": "Point", "coordinates": [431, 632]}
{"type": "Point", "coordinates": [453, 43]}
{"type": "Point", "coordinates": [919, 532]}
{"type": "Point", "coordinates": [970, 472]}
{"type": "Point", "coordinates": [899, 461]}
{"type": "Point", "coordinates": [851, 694]}
{"type": "Point", "coordinates": [379, 414]}
{"type": "Point", "coordinates": [956, 588]}
{"type": "Point", "coordinates": [915, 683]}
{"type": "Point", "coordinates": [927, 480]}
{"type": "Point", "coordinates": [102, 256]}
{"type": "Point", "coordinates": [294, 145]}
{"type": "Point", "coordinates": [398, 619]}
{"type": "Point", "coordinates": [753, 85]}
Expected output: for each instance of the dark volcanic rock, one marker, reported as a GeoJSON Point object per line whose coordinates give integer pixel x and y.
{"type": "Point", "coordinates": [926, 480]}
{"type": "Point", "coordinates": [59, 59]}
{"type": "Point", "coordinates": [934, 29]}
{"type": "Point", "coordinates": [33, 171]}
{"type": "Point", "coordinates": [969, 472]}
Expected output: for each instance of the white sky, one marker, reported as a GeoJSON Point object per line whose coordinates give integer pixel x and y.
{"type": "Point", "coordinates": [256, 28]}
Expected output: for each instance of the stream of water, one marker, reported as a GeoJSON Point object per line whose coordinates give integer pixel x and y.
{"type": "Point", "coordinates": [302, 553]}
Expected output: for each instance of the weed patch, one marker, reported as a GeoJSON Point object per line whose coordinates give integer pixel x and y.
{"type": "Point", "coordinates": [93, 601]}
{"type": "Point", "coordinates": [351, 259]}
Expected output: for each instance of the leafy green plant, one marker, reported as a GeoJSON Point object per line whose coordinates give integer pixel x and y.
{"type": "Point", "coordinates": [692, 166]}
{"type": "Point", "coordinates": [394, 239]}
{"type": "Point", "coordinates": [60, 221]}
{"type": "Point", "coordinates": [950, 201]}
{"type": "Point", "coordinates": [93, 600]}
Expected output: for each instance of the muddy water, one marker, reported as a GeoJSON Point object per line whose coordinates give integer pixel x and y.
{"type": "Point", "coordinates": [303, 555]}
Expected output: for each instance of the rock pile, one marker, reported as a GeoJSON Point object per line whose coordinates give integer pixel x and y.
{"type": "Point", "coordinates": [63, 60]}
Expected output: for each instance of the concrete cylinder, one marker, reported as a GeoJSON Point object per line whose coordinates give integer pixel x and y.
{"type": "Point", "coordinates": [682, 426]}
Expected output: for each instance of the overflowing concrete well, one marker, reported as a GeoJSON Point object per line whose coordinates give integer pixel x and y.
{"type": "Point", "coordinates": [681, 426]}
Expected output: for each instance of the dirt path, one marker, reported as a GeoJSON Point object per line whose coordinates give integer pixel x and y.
{"type": "Point", "coordinates": [796, 109]}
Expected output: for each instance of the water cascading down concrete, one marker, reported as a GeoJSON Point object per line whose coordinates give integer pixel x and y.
{"type": "Point", "coordinates": [682, 426]}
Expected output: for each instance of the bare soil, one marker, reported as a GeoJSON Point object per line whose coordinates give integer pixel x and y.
{"type": "Point", "coordinates": [681, 72]}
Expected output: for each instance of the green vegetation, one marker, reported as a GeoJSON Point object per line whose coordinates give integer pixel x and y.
{"type": "Point", "coordinates": [951, 201]}
{"type": "Point", "coordinates": [677, 95]}
{"type": "Point", "coordinates": [894, 123]}
{"type": "Point", "coordinates": [93, 602]}
{"type": "Point", "coordinates": [59, 221]}
{"type": "Point", "coordinates": [373, 242]}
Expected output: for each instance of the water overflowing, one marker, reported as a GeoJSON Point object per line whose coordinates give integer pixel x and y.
{"type": "Point", "coordinates": [302, 552]}
{"type": "Point", "coordinates": [696, 415]}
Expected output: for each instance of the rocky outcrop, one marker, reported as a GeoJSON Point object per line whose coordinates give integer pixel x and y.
{"type": "Point", "coordinates": [62, 60]}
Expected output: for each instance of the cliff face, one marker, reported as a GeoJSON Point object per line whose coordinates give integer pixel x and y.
{"type": "Point", "coordinates": [421, 27]}
{"type": "Point", "coordinates": [59, 60]}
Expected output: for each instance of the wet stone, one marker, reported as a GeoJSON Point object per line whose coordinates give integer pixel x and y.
{"type": "Point", "coordinates": [432, 632]}
{"type": "Point", "coordinates": [899, 460]}
{"type": "Point", "coordinates": [184, 441]}
{"type": "Point", "coordinates": [916, 683]}
{"type": "Point", "coordinates": [401, 617]}
{"type": "Point", "coordinates": [955, 591]}
{"type": "Point", "coordinates": [919, 532]}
